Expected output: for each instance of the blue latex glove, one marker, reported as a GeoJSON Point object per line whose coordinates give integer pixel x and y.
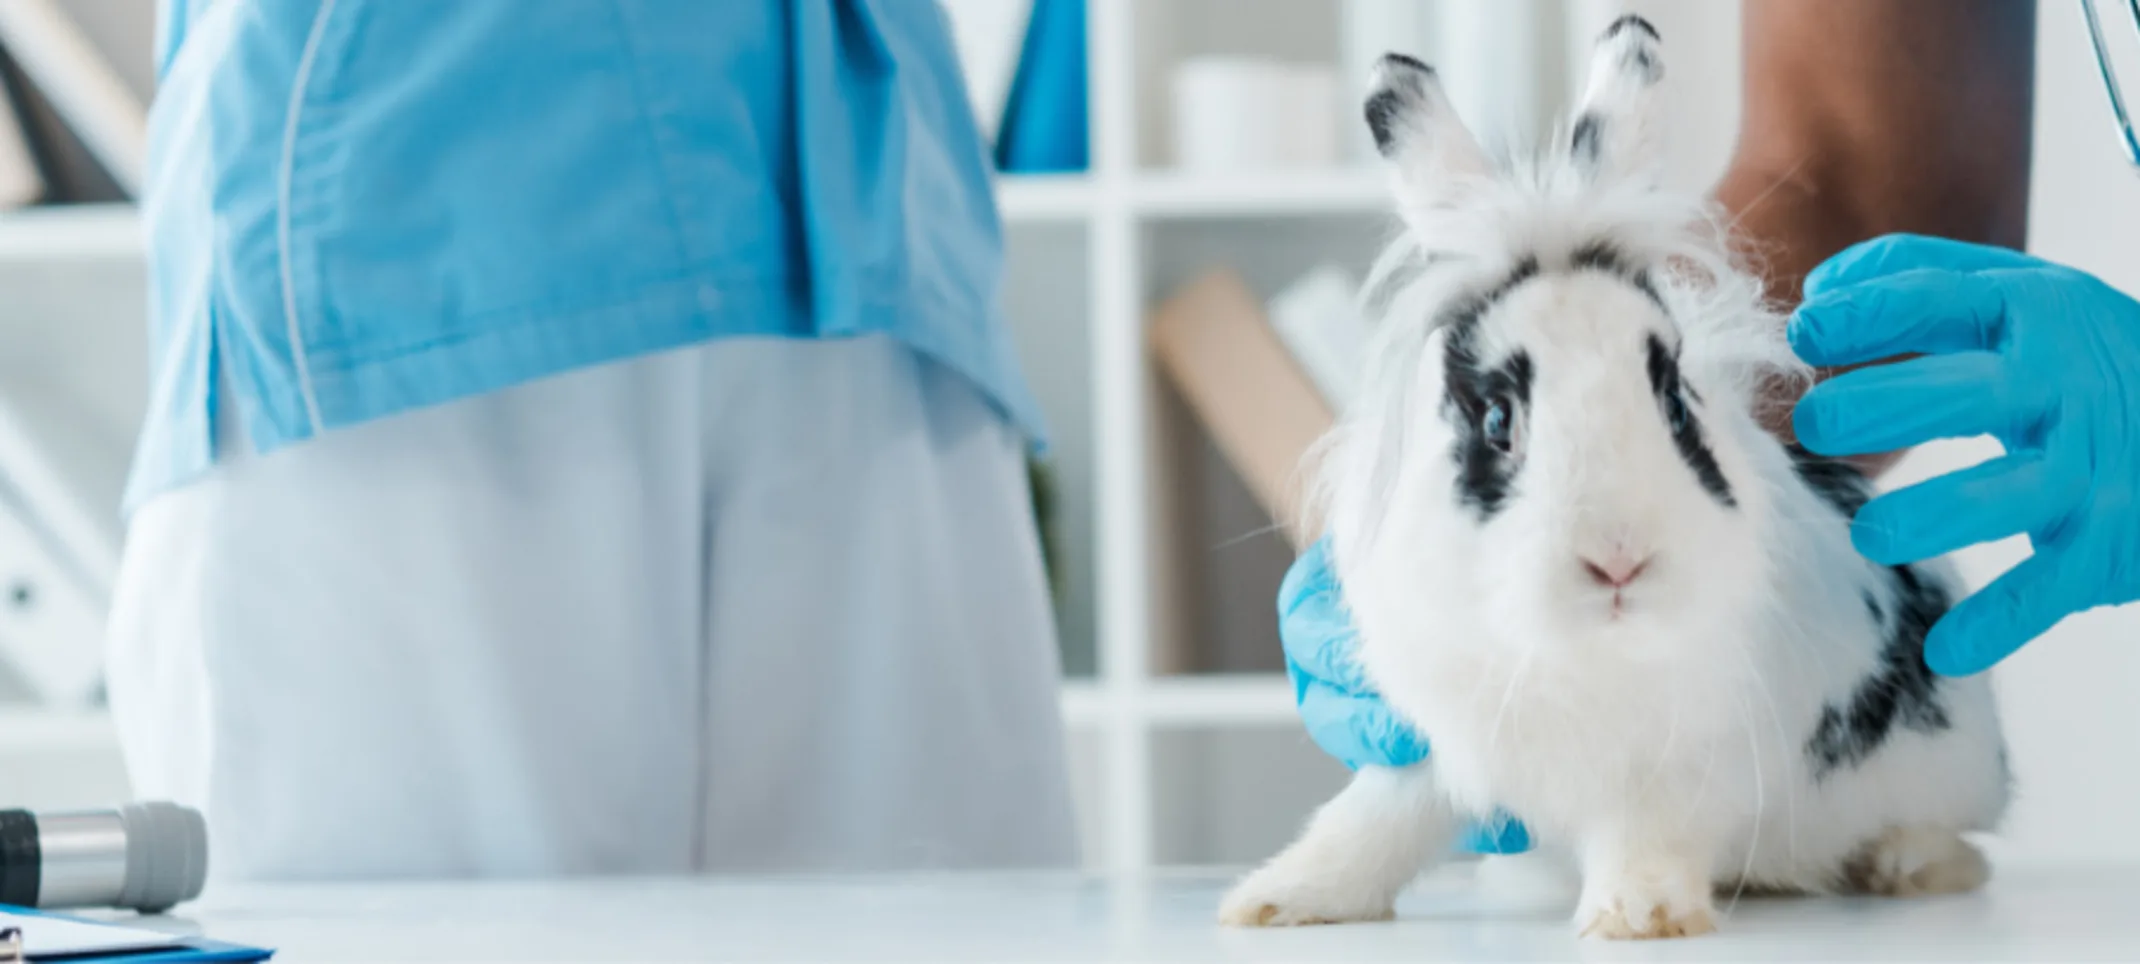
{"type": "Point", "coordinates": [2044, 358]}
{"type": "Point", "coordinates": [1343, 713]}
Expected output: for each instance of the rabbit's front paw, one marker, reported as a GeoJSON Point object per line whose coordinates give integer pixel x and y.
{"type": "Point", "coordinates": [1360, 849]}
{"type": "Point", "coordinates": [1646, 903]}
{"type": "Point", "coordinates": [1282, 896]}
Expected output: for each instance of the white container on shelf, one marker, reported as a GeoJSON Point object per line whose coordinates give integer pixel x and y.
{"type": "Point", "coordinates": [1237, 115]}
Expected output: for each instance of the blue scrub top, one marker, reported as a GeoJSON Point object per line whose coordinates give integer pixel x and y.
{"type": "Point", "coordinates": [358, 207]}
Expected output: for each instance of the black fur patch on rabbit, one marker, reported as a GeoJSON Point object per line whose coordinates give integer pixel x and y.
{"type": "Point", "coordinates": [1632, 21]}
{"type": "Point", "coordinates": [1485, 475]}
{"type": "Point", "coordinates": [1903, 690]}
{"type": "Point", "coordinates": [1387, 106]}
{"type": "Point", "coordinates": [1693, 449]}
{"type": "Point", "coordinates": [1603, 256]}
{"type": "Point", "coordinates": [1587, 142]}
{"type": "Point", "coordinates": [1640, 59]}
{"type": "Point", "coordinates": [1842, 487]}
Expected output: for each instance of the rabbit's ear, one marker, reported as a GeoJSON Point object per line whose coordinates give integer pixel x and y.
{"type": "Point", "coordinates": [1618, 131]}
{"type": "Point", "coordinates": [1431, 154]}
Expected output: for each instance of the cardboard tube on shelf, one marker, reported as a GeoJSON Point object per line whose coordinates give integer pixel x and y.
{"type": "Point", "coordinates": [1215, 344]}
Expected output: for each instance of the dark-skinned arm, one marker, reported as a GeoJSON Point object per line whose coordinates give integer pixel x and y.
{"type": "Point", "coordinates": [1870, 117]}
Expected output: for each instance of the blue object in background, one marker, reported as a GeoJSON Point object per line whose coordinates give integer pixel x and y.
{"type": "Point", "coordinates": [1044, 128]}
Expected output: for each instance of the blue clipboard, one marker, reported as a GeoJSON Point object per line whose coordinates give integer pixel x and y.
{"type": "Point", "coordinates": [167, 949]}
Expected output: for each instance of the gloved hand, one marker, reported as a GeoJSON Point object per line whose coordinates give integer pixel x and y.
{"type": "Point", "coordinates": [1343, 713]}
{"type": "Point", "coordinates": [2044, 358]}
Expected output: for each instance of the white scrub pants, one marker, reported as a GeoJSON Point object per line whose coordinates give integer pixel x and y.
{"type": "Point", "coordinates": [753, 605]}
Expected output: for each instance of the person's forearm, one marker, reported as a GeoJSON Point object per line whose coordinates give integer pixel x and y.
{"type": "Point", "coordinates": [1869, 117]}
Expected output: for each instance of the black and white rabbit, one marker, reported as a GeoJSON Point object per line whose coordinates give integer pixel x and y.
{"type": "Point", "coordinates": [1614, 604]}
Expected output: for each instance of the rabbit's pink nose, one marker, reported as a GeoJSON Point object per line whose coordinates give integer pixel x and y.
{"type": "Point", "coordinates": [1617, 570]}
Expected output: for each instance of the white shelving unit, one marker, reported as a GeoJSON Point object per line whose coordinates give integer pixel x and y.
{"type": "Point", "coordinates": [1246, 700]}
{"type": "Point", "coordinates": [1141, 228]}
{"type": "Point", "coordinates": [1150, 196]}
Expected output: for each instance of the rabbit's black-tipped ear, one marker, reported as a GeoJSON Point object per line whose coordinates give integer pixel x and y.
{"type": "Point", "coordinates": [1419, 134]}
{"type": "Point", "coordinates": [1618, 131]}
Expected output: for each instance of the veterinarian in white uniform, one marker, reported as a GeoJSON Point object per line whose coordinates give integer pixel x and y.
{"type": "Point", "coordinates": [583, 439]}
{"type": "Point", "coordinates": [2042, 357]}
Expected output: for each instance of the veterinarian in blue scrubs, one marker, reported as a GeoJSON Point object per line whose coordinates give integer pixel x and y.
{"type": "Point", "coordinates": [583, 439]}
{"type": "Point", "coordinates": [2042, 357]}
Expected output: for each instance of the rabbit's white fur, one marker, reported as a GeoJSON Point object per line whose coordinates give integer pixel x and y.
{"type": "Point", "coordinates": [1751, 710]}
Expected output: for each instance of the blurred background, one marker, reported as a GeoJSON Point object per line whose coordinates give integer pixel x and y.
{"type": "Point", "coordinates": [1188, 201]}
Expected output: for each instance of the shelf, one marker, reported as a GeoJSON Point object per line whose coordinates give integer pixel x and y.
{"type": "Point", "coordinates": [1221, 701]}
{"type": "Point", "coordinates": [1188, 195]}
{"type": "Point", "coordinates": [1042, 198]}
{"type": "Point", "coordinates": [71, 232]}
{"type": "Point", "coordinates": [1188, 701]}
{"type": "Point", "coordinates": [1049, 198]}
{"type": "Point", "coordinates": [113, 231]}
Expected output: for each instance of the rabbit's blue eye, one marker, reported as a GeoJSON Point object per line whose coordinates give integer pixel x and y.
{"type": "Point", "coordinates": [1495, 425]}
{"type": "Point", "coordinates": [1675, 409]}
